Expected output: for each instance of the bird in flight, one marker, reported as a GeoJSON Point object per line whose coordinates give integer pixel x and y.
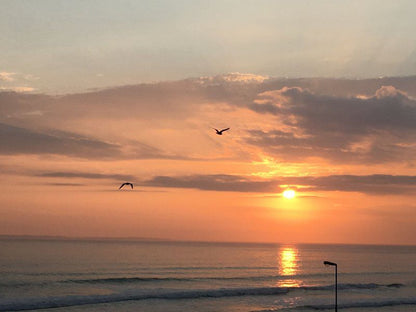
{"type": "Point", "coordinates": [126, 183]}
{"type": "Point", "coordinates": [219, 132]}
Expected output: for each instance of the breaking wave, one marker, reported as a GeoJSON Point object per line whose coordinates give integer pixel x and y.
{"type": "Point", "coordinates": [75, 300]}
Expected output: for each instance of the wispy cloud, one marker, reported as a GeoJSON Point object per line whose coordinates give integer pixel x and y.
{"type": "Point", "coordinates": [18, 89]}
{"type": "Point", "coordinates": [233, 78]}
{"type": "Point", "coordinates": [7, 76]}
{"type": "Point", "coordinates": [86, 175]}
{"type": "Point", "coordinates": [10, 81]}
{"type": "Point", "coordinates": [217, 182]}
{"type": "Point", "coordinates": [65, 184]}
{"type": "Point", "coordinates": [369, 184]}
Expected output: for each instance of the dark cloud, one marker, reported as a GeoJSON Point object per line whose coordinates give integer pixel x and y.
{"type": "Point", "coordinates": [367, 129]}
{"type": "Point", "coordinates": [14, 104]}
{"type": "Point", "coordinates": [344, 87]}
{"type": "Point", "coordinates": [65, 184]}
{"type": "Point", "coordinates": [371, 184]}
{"type": "Point", "coordinates": [286, 146]}
{"type": "Point", "coordinates": [217, 182]}
{"type": "Point", "coordinates": [243, 94]}
{"type": "Point", "coordinates": [163, 100]}
{"type": "Point", "coordinates": [389, 109]}
{"type": "Point", "coordinates": [87, 175]}
{"type": "Point", "coordinates": [16, 140]}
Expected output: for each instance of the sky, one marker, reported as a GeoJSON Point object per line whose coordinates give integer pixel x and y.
{"type": "Point", "coordinates": [57, 46]}
{"type": "Point", "coordinates": [320, 98]}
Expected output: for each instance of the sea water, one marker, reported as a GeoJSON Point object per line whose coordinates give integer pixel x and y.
{"type": "Point", "coordinates": [102, 275]}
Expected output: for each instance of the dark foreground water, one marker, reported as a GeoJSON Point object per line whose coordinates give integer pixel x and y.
{"type": "Point", "coordinates": [166, 276]}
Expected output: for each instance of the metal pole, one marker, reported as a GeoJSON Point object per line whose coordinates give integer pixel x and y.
{"type": "Point", "coordinates": [336, 282]}
{"type": "Point", "coordinates": [336, 288]}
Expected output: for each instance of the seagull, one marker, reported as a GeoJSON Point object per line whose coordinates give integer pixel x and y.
{"type": "Point", "coordinates": [219, 132]}
{"type": "Point", "coordinates": [126, 183]}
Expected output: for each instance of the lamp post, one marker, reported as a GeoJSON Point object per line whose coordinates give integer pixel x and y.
{"type": "Point", "coordinates": [336, 283]}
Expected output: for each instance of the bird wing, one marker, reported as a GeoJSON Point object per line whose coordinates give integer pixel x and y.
{"type": "Point", "coordinates": [121, 186]}
{"type": "Point", "coordinates": [131, 184]}
{"type": "Point", "coordinates": [225, 129]}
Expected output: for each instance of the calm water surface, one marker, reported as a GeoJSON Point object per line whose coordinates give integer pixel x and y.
{"type": "Point", "coordinates": [223, 277]}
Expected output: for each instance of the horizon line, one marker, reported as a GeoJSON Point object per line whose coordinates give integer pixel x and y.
{"type": "Point", "coordinates": [31, 237]}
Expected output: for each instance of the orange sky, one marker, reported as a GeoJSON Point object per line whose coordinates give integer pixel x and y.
{"type": "Point", "coordinates": [346, 146]}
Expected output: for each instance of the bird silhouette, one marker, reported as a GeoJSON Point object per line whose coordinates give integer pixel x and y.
{"type": "Point", "coordinates": [126, 183]}
{"type": "Point", "coordinates": [219, 132]}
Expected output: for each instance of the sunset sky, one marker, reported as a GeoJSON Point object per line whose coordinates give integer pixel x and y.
{"type": "Point", "coordinates": [320, 97]}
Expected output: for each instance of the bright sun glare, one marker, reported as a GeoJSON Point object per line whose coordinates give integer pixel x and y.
{"type": "Point", "coordinates": [289, 194]}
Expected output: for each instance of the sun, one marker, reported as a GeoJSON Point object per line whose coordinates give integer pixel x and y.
{"type": "Point", "coordinates": [289, 194]}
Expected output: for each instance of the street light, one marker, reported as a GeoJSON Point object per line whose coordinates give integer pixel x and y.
{"type": "Point", "coordinates": [336, 285]}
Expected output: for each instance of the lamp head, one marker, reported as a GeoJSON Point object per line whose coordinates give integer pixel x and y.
{"type": "Point", "coordinates": [330, 263]}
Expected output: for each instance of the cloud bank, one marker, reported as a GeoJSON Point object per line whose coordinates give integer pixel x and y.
{"type": "Point", "coordinates": [369, 129]}
{"type": "Point", "coordinates": [86, 175]}
{"type": "Point", "coordinates": [369, 184]}
{"type": "Point", "coordinates": [369, 121]}
{"type": "Point", "coordinates": [16, 140]}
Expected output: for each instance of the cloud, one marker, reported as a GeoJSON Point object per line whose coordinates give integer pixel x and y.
{"type": "Point", "coordinates": [370, 184]}
{"type": "Point", "coordinates": [161, 98]}
{"type": "Point", "coordinates": [378, 128]}
{"type": "Point", "coordinates": [17, 105]}
{"type": "Point", "coordinates": [389, 109]}
{"type": "Point", "coordinates": [339, 87]}
{"type": "Point", "coordinates": [86, 175]}
{"type": "Point", "coordinates": [164, 100]}
{"type": "Point", "coordinates": [10, 77]}
{"type": "Point", "coordinates": [232, 78]}
{"type": "Point", "coordinates": [16, 140]}
{"type": "Point", "coordinates": [7, 76]}
{"type": "Point", "coordinates": [337, 119]}
{"type": "Point", "coordinates": [18, 89]}
{"type": "Point", "coordinates": [16, 82]}
{"type": "Point", "coordinates": [217, 182]}
{"type": "Point", "coordinates": [65, 184]}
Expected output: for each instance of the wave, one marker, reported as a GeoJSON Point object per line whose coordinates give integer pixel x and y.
{"type": "Point", "coordinates": [139, 279]}
{"type": "Point", "coordinates": [67, 301]}
{"type": "Point", "coordinates": [76, 300]}
{"type": "Point", "coordinates": [122, 280]}
{"type": "Point", "coordinates": [353, 286]}
{"type": "Point", "coordinates": [176, 279]}
{"type": "Point", "coordinates": [363, 304]}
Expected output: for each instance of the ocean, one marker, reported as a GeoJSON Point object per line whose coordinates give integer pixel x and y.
{"type": "Point", "coordinates": [157, 276]}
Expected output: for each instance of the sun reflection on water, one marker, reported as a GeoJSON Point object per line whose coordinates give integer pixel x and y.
{"type": "Point", "coordinates": [288, 266]}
